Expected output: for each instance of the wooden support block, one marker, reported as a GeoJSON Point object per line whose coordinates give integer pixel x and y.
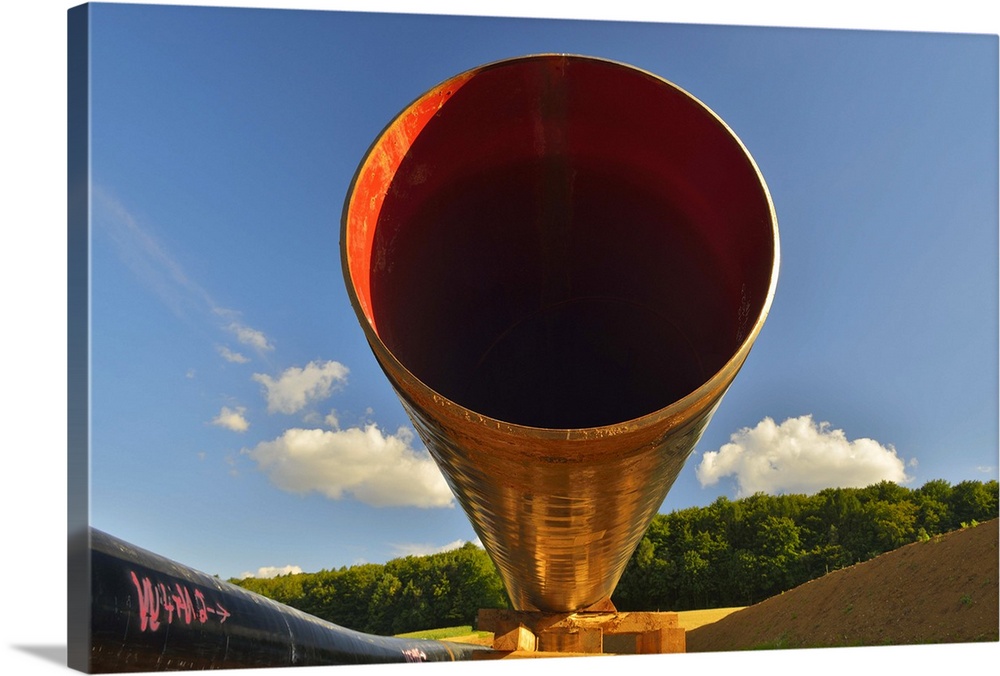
{"type": "Point", "coordinates": [673, 640]}
{"type": "Point", "coordinates": [515, 638]}
{"type": "Point", "coordinates": [488, 619]}
{"type": "Point", "coordinates": [639, 622]}
{"type": "Point", "coordinates": [572, 640]}
{"type": "Point", "coordinates": [661, 641]}
{"type": "Point", "coordinates": [501, 620]}
{"type": "Point", "coordinates": [648, 642]}
{"type": "Point", "coordinates": [584, 632]}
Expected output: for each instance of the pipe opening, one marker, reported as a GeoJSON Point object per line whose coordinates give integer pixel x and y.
{"type": "Point", "coordinates": [565, 243]}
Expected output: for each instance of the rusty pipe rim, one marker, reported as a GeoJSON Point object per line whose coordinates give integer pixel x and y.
{"type": "Point", "coordinates": [407, 382]}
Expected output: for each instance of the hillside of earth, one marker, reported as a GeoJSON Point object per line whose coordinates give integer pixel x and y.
{"type": "Point", "coordinates": [942, 590]}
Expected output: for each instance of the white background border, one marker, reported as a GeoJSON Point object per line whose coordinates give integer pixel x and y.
{"type": "Point", "coordinates": [33, 296]}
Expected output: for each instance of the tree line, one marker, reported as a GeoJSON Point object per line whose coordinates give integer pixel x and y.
{"type": "Point", "coordinates": [740, 552]}
{"type": "Point", "coordinates": [730, 553]}
{"type": "Point", "coordinates": [403, 595]}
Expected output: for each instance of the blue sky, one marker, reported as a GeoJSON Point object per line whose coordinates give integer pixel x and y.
{"type": "Point", "coordinates": [239, 420]}
{"type": "Point", "coordinates": [221, 160]}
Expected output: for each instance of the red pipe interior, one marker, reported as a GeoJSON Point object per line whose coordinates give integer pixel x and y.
{"type": "Point", "coordinates": [567, 243]}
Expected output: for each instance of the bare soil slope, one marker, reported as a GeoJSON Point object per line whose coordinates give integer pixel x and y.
{"type": "Point", "coordinates": [943, 590]}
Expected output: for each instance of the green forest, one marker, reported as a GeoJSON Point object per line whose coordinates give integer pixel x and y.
{"type": "Point", "coordinates": [730, 553]}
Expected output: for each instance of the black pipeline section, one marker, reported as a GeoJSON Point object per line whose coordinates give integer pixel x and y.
{"type": "Point", "coordinates": [149, 613]}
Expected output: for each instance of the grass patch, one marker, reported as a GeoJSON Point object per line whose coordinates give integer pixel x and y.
{"type": "Point", "coordinates": [444, 633]}
{"type": "Point", "coordinates": [692, 619]}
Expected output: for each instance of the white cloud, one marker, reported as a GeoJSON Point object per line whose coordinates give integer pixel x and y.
{"type": "Point", "coordinates": [377, 469]}
{"type": "Point", "coordinates": [252, 337]}
{"type": "Point", "coordinates": [416, 549]}
{"type": "Point", "coordinates": [272, 571]}
{"type": "Point", "coordinates": [799, 456]}
{"type": "Point", "coordinates": [231, 461]}
{"type": "Point", "coordinates": [152, 262]}
{"type": "Point", "coordinates": [296, 387]}
{"type": "Point", "coordinates": [232, 419]}
{"type": "Point", "coordinates": [147, 257]}
{"type": "Point", "coordinates": [230, 356]}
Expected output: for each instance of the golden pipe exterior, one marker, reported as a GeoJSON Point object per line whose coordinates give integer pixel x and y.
{"type": "Point", "coordinates": [560, 263]}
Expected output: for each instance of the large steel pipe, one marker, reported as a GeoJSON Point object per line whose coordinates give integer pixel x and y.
{"type": "Point", "coordinates": [560, 263]}
{"type": "Point", "coordinates": [148, 613]}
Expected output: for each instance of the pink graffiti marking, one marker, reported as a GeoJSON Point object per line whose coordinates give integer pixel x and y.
{"type": "Point", "coordinates": [219, 610]}
{"type": "Point", "coordinates": [199, 602]}
{"type": "Point", "coordinates": [414, 655]}
{"type": "Point", "coordinates": [178, 603]}
{"type": "Point", "coordinates": [149, 605]}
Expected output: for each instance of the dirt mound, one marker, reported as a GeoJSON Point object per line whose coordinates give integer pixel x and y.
{"type": "Point", "coordinates": [943, 590]}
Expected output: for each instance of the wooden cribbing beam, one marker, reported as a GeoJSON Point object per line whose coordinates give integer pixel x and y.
{"type": "Point", "coordinates": [584, 633]}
